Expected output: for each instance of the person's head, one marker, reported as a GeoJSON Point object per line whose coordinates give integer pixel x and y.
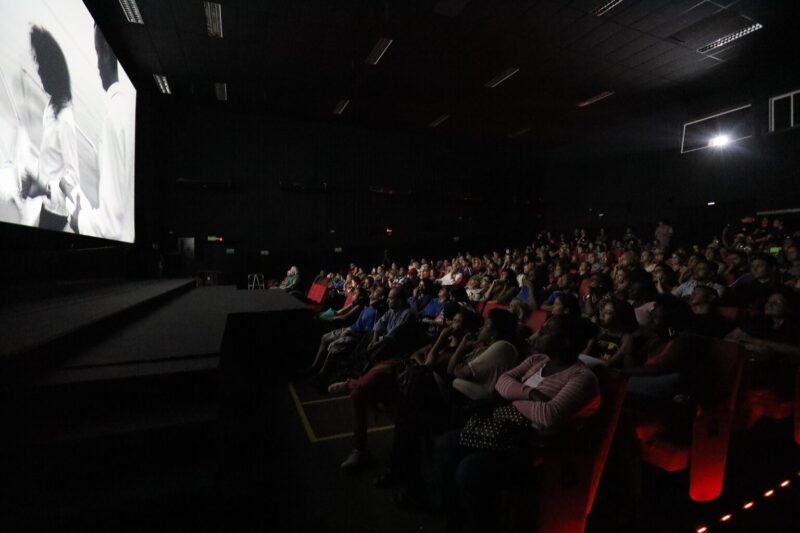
{"type": "Point", "coordinates": [782, 304]}
{"type": "Point", "coordinates": [627, 259]}
{"type": "Point", "coordinates": [640, 289]}
{"type": "Point", "coordinates": [618, 315]}
{"type": "Point", "coordinates": [376, 295]}
{"type": "Point", "coordinates": [600, 283]}
{"type": "Point", "coordinates": [443, 294]}
{"type": "Point", "coordinates": [712, 253]}
{"type": "Point", "coordinates": [762, 267]}
{"type": "Point", "coordinates": [563, 337]}
{"type": "Point", "coordinates": [500, 325]}
{"type": "Point", "coordinates": [738, 260]}
{"type": "Point", "coordinates": [702, 270]}
{"type": "Point", "coordinates": [792, 253]}
{"type": "Point", "coordinates": [646, 257]}
{"type": "Point", "coordinates": [670, 315]}
{"type": "Point", "coordinates": [361, 296]}
{"type": "Point", "coordinates": [106, 60]}
{"type": "Point", "coordinates": [566, 282]}
{"type": "Point", "coordinates": [565, 304]}
{"type": "Point", "coordinates": [396, 298]}
{"type": "Point", "coordinates": [703, 299]}
{"type": "Point", "coordinates": [52, 66]}
{"type": "Point", "coordinates": [292, 271]}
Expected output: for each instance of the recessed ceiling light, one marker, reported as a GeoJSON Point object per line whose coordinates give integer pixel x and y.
{"type": "Point", "coordinates": [500, 78]}
{"type": "Point", "coordinates": [341, 106]}
{"type": "Point", "coordinates": [518, 133]}
{"type": "Point", "coordinates": [605, 8]}
{"type": "Point", "coordinates": [213, 19]}
{"type": "Point", "coordinates": [719, 141]}
{"type": "Point", "coordinates": [222, 91]}
{"type": "Point", "coordinates": [712, 203]}
{"type": "Point", "coordinates": [163, 84]}
{"type": "Point", "coordinates": [131, 10]}
{"type": "Point", "coordinates": [378, 50]}
{"type": "Point", "coordinates": [438, 120]}
{"type": "Point", "coordinates": [722, 41]}
{"type": "Point", "coordinates": [595, 98]}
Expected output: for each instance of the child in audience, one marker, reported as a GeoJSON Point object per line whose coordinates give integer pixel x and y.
{"type": "Point", "coordinates": [617, 322]}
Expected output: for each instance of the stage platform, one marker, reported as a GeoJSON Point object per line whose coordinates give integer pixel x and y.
{"type": "Point", "coordinates": [28, 327]}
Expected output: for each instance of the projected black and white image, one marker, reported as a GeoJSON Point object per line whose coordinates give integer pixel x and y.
{"type": "Point", "coordinates": [67, 123]}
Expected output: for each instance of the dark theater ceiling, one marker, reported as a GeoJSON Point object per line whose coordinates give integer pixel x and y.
{"type": "Point", "coordinates": [298, 58]}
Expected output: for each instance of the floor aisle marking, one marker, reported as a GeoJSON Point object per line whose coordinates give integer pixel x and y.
{"type": "Point", "coordinates": [309, 431]}
{"type": "Point", "coordinates": [345, 435]}
{"type": "Point", "coordinates": [325, 400]}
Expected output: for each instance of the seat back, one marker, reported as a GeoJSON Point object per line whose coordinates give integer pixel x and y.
{"type": "Point", "coordinates": [797, 407]}
{"type": "Point", "coordinates": [349, 298]}
{"type": "Point", "coordinates": [537, 319]}
{"type": "Point", "coordinates": [583, 289]}
{"type": "Point", "coordinates": [569, 477]}
{"type": "Point", "coordinates": [713, 420]}
{"type": "Point", "coordinates": [729, 312]}
{"type": "Point", "coordinates": [316, 293]}
{"type": "Point", "coordinates": [491, 305]}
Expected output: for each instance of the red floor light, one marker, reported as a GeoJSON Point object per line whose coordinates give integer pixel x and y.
{"type": "Point", "coordinates": [785, 484]}
{"type": "Point", "coordinates": [769, 493]}
{"type": "Point", "coordinates": [725, 518]}
{"type": "Point", "coordinates": [748, 505]}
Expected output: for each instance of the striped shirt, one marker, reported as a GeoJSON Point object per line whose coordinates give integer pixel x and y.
{"type": "Point", "coordinates": [574, 393]}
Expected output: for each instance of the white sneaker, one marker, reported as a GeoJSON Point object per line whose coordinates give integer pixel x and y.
{"type": "Point", "coordinates": [355, 459]}
{"type": "Point", "coordinates": [338, 388]}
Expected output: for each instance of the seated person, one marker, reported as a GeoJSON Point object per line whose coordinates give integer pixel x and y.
{"type": "Point", "coordinates": [566, 283]}
{"type": "Point", "coordinates": [438, 352]}
{"type": "Point", "coordinates": [549, 392]}
{"type": "Point", "coordinates": [395, 333]}
{"type": "Point", "coordinates": [564, 304]}
{"type": "Point", "coordinates": [702, 274]}
{"type": "Point", "coordinates": [706, 319]}
{"type": "Point", "coordinates": [617, 323]}
{"type": "Point", "coordinates": [421, 295]}
{"type": "Point", "coordinates": [750, 291]}
{"type": "Point", "coordinates": [503, 289]}
{"type": "Point", "coordinates": [434, 305]}
{"type": "Point", "coordinates": [600, 291]}
{"type": "Point", "coordinates": [291, 281]}
{"type": "Point", "coordinates": [777, 332]}
{"type": "Point", "coordinates": [473, 374]}
{"type": "Point", "coordinates": [347, 313]}
{"type": "Point", "coordinates": [338, 341]}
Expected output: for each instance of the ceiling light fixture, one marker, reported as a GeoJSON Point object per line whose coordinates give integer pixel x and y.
{"type": "Point", "coordinates": [518, 133]}
{"type": "Point", "coordinates": [605, 8]}
{"type": "Point", "coordinates": [131, 10]}
{"type": "Point", "coordinates": [378, 50]}
{"type": "Point", "coordinates": [163, 84]}
{"type": "Point", "coordinates": [222, 91]}
{"type": "Point", "coordinates": [340, 107]}
{"type": "Point", "coordinates": [719, 141]}
{"type": "Point", "coordinates": [435, 122]}
{"type": "Point", "coordinates": [500, 78]}
{"type": "Point", "coordinates": [722, 41]}
{"type": "Point", "coordinates": [595, 98]}
{"type": "Point", "coordinates": [213, 19]}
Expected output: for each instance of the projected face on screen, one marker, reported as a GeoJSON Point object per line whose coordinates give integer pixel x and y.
{"type": "Point", "coordinates": [67, 123]}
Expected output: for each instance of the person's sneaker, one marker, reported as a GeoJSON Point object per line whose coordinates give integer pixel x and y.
{"type": "Point", "coordinates": [355, 459]}
{"type": "Point", "coordinates": [338, 388]}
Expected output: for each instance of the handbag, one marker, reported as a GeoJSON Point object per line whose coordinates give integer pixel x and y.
{"type": "Point", "coordinates": [501, 430]}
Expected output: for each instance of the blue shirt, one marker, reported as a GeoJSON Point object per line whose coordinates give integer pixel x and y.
{"type": "Point", "coordinates": [523, 294]}
{"type": "Point", "coordinates": [365, 321]}
{"type": "Point", "coordinates": [433, 308]}
{"type": "Point", "coordinates": [390, 323]}
{"type": "Point", "coordinates": [552, 298]}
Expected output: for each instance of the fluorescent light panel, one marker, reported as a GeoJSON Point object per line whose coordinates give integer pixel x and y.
{"type": "Point", "coordinates": [722, 41]}
{"type": "Point", "coordinates": [163, 84]}
{"type": "Point", "coordinates": [340, 107]}
{"type": "Point", "coordinates": [131, 10]}
{"type": "Point", "coordinates": [595, 98]}
{"type": "Point", "coordinates": [222, 91]}
{"type": "Point", "coordinates": [605, 8]}
{"type": "Point", "coordinates": [213, 19]}
{"type": "Point", "coordinates": [435, 122]}
{"type": "Point", "coordinates": [518, 133]}
{"type": "Point", "coordinates": [378, 50]}
{"type": "Point", "coordinates": [500, 78]}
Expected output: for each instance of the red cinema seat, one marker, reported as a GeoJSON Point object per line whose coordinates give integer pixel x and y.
{"type": "Point", "coordinates": [316, 294]}
{"type": "Point", "coordinates": [797, 407]}
{"type": "Point", "coordinates": [349, 298]}
{"type": "Point", "coordinates": [583, 290]}
{"type": "Point", "coordinates": [569, 476]}
{"type": "Point", "coordinates": [731, 313]}
{"type": "Point", "coordinates": [707, 452]}
{"type": "Point", "coordinates": [491, 305]}
{"type": "Point", "coordinates": [537, 319]}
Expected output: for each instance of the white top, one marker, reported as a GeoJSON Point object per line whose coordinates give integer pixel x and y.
{"type": "Point", "coordinates": [58, 156]}
{"type": "Point", "coordinates": [486, 368]}
{"type": "Point", "coordinates": [534, 381]}
{"type": "Point", "coordinates": [113, 217]}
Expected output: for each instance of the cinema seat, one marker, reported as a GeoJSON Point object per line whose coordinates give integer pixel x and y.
{"type": "Point", "coordinates": [349, 298]}
{"type": "Point", "coordinates": [797, 407]}
{"type": "Point", "coordinates": [316, 295]}
{"type": "Point", "coordinates": [491, 305]}
{"type": "Point", "coordinates": [731, 313]}
{"type": "Point", "coordinates": [537, 319]}
{"type": "Point", "coordinates": [583, 290]}
{"type": "Point", "coordinates": [570, 474]}
{"type": "Point", "coordinates": [706, 454]}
